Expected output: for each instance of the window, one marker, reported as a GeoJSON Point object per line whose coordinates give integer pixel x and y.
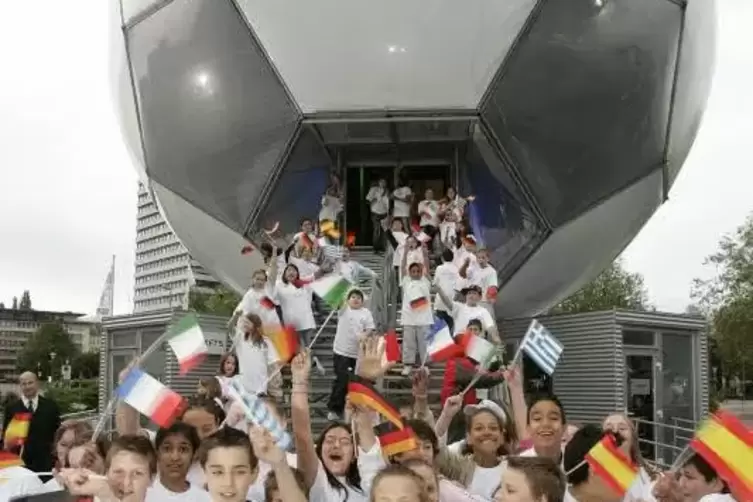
{"type": "Point", "coordinates": [638, 337]}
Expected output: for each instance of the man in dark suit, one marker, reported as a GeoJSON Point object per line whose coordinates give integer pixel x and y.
{"type": "Point", "coordinates": [45, 420]}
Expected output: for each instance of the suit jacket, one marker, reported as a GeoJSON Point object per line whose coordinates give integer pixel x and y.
{"type": "Point", "coordinates": [38, 450]}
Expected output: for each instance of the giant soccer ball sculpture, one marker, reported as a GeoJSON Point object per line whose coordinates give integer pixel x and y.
{"type": "Point", "coordinates": [568, 119]}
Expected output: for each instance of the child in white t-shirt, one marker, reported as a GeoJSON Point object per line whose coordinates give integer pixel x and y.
{"type": "Point", "coordinates": [257, 358]}
{"type": "Point", "coordinates": [483, 275]}
{"type": "Point", "coordinates": [403, 197]}
{"type": "Point", "coordinates": [354, 322]}
{"type": "Point", "coordinates": [417, 316]}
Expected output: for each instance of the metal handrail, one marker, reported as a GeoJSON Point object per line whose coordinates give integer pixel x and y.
{"type": "Point", "coordinates": [681, 436]}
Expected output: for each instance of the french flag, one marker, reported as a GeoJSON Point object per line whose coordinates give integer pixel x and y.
{"type": "Point", "coordinates": [149, 397]}
{"type": "Point", "coordinates": [439, 343]}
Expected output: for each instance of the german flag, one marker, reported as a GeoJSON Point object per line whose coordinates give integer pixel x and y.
{"type": "Point", "coordinates": [393, 440]}
{"type": "Point", "coordinates": [363, 393]}
{"type": "Point", "coordinates": [305, 240]}
{"type": "Point", "coordinates": [285, 341]}
{"type": "Point", "coordinates": [8, 459]}
{"type": "Point", "coordinates": [17, 430]}
{"type": "Point", "coordinates": [727, 445]}
{"type": "Point", "coordinates": [421, 303]}
{"type": "Point", "coordinates": [612, 465]}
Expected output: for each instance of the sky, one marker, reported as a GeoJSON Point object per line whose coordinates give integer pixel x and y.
{"type": "Point", "coordinates": [68, 191]}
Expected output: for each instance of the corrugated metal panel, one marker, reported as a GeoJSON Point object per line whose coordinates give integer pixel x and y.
{"type": "Point", "coordinates": [590, 376]}
{"type": "Point", "coordinates": [658, 320]}
{"type": "Point", "coordinates": [104, 347]}
{"type": "Point", "coordinates": [704, 377]}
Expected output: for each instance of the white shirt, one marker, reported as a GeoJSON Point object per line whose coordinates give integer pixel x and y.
{"type": "Point", "coordinates": [486, 480]}
{"type": "Point", "coordinates": [19, 481]}
{"type": "Point", "coordinates": [158, 493]}
{"type": "Point", "coordinates": [429, 212]}
{"type": "Point", "coordinates": [462, 314]}
{"type": "Point", "coordinates": [378, 199]}
{"type": "Point", "coordinates": [32, 404]}
{"type": "Point", "coordinates": [641, 488]}
{"type": "Point", "coordinates": [461, 255]}
{"type": "Point", "coordinates": [252, 304]}
{"type": "Point", "coordinates": [448, 231]}
{"type": "Point", "coordinates": [369, 463]}
{"type": "Point", "coordinates": [256, 490]}
{"type": "Point", "coordinates": [401, 209]}
{"type": "Point", "coordinates": [331, 207]}
{"type": "Point", "coordinates": [351, 325]}
{"type": "Point", "coordinates": [196, 476]}
{"type": "Point", "coordinates": [353, 271]}
{"type": "Point", "coordinates": [416, 290]}
{"type": "Point", "coordinates": [485, 278]}
{"type": "Point", "coordinates": [253, 363]}
{"type": "Point", "coordinates": [446, 276]}
{"type": "Point", "coordinates": [296, 305]}
{"type": "Point", "coordinates": [397, 257]}
{"type": "Point", "coordinates": [305, 268]}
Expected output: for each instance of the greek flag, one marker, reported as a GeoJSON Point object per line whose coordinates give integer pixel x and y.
{"type": "Point", "coordinates": [258, 413]}
{"type": "Point", "coordinates": [542, 347]}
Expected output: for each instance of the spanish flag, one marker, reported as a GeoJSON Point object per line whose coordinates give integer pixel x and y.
{"type": "Point", "coordinates": [393, 440]}
{"type": "Point", "coordinates": [328, 228]}
{"type": "Point", "coordinates": [17, 430]}
{"type": "Point", "coordinates": [8, 459]}
{"type": "Point", "coordinates": [285, 341]}
{"type": "Point", "coordinates": [612, 465]}
{"type": "Point", "coordinates": [727, 445]}
{"type": "Point", "coordinates": [363, 393]}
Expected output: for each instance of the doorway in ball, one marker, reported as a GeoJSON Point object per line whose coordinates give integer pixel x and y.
{"type": "Point", "coordinates": [358, 180]}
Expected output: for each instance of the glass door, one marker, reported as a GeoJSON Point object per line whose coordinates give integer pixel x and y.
{"type": "Point", "coordinates": [641, 399]}
{"type": "Point", "coordinates": [358, 180]}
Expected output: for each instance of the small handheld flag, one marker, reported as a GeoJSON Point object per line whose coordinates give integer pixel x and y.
{"type": "Point", "coordinates": [391, 347]}
{"type": "Point", "coordinates": [17, 430]}
{"type": "Point", "coordinates": [151, 398]}
{"type": "Point", "coordinates": [363, 393]}
{"type": "Point", "coordinates": [542, 347]}
{"type": "Point", "coordinates": [474, 218]}
{"type": "Point", "coordinates": [491, 293]}
{"type": "Point", "coordinates": [727, 445]}
{"type": "Point", "coordinates": [247, 249]}
{"type": "Point", "coordinates": [393, 440]}
{"type": "Point", "coordinates": [333, 289]}
{"type": "Point", "coordinates": [439, 343]}
{"type": "Point", "coordinates": [612, 465]}
{"type": "Point", "coordinates": [476, 348]}
{"type": "Point", "coordinates": [187, 341]}
{"type": "Point", "coordinates": [285, 341]}
{"type": "Point", "coordinates": [267, 303]}
{"type": "Point", "coordinates": [8, 459]}
{"type": "Point", "coordinates": [257, 412]}
{"type": "Point", "coordinates": [328, 228]}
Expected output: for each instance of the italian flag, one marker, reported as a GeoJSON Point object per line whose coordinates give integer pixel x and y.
{"type": "Point", "coordinates": [333, 289]}
{"type": "Point", "coordinates": [187, 341]}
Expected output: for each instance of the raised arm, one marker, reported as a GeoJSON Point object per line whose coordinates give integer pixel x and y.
{"type": "Point", "coordinates": [308, 462]}
{"type": "Point", "coordinates": [268, 452]}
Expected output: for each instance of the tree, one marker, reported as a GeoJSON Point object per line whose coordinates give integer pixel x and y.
{"type": "Point", "coordinates": [615, 287]}
{"type": "Point", "coordinates": [728, 298]}
{"type": "Point", "coordinates": [36, 355]}
{"type": "Point", "coordinates": [222, 301]}
{"type": "Point", "coordinates": [15, 303]}
{"type": "Point", "coordinates": [25, 301]}
{"type": "Point", "coordinates": [85, 365]}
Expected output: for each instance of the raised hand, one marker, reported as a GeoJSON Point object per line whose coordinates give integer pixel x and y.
{"type": "Point", "coordinates": [245, 325]}
{"type": "Point", "coordinates": [84, 482]}
{"type": "Point", "coordinates": [264, 446]}
{"type": "Point", "coordinates": [371, 356]}
{"type": "Point", "coordinates": [300, 367]}
{"type": "Point", "coordinates": [513, 376]}
{"type": "Point", "coordinates": [420, 382]}
{"type": "Point", "coordinates": [453, 404]}
{"type": "Point", "coordinates": [667, 488]}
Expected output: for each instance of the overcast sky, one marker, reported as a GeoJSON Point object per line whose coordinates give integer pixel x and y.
{"type": "Point", "coordinates": [68, 192]}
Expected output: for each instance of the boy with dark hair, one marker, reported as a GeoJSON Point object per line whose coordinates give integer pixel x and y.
{"type": "Point", "coordinates": [546, 423]}
{"type": "Point", "coordinates": [585, 485]}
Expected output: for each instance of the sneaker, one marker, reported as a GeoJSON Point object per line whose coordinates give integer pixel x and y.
{"type": "Point", "coordinates": [332, 416]}
{"type": "Point", "coordinates": [319, 367]}
{"type": "Point", "coordinates": [406, 371]}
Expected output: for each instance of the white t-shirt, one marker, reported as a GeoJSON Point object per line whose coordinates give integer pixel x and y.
{"type": "Point", "coordinates": [50, 486]}
{"type": "Point", "coordinates": [446, 276]}
{"type": "Point", "coordinates": [158, 493]}
{"type": "Point", "coordinates": [641, 488]}
{"type": "Point", "coordinates": [401, 209]}
{"type": "Point", "coordinates": [18, 482]}
{"type": "Point", "coordinates": [379, 201]}
{"type": "Point", "coordinates": [416, 290]}
{"type": "Point", "coordinates": [568, 497]}
{"type": "Point", "coordinates": [296, 305]}
{"type": "Point", "coordinates": [253, 363]}
{"type": "Point", "coordinates": [305, 268]}
{"type": "Point", "coordinates": [397, 257]}
{"type": "Point", "coordinates": [448, 231]}
{"type": "Point", "coordinates": [461, 255]}
{"type": "Point", "coordinates": [353, 271]}
{"type": "Point", "coordinates": [256, 490]}
{"type": "Point", "coordinates": [331, 207]}
{"type": "Point", "coordinates": [429, 212]}
{"type": "Point", "coordinates": [462, 314]}
{"type": "Point", "coordinates": [351, 325]}
{"type": "Point", "coordinates": [485, 278]}
{"type": "Point", "coordinates": [486, 480]}
{"type": "Point", "coordinates": [252, 304]}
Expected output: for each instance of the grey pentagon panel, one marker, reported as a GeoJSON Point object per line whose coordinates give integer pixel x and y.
{"type": "Point", "coordinates": [578, 251]}
{"type": "Point", "coordinates": [582, 104]}
{"type": "Point", "coordinates": [133, 9]}
{"type": "Point", "coordinates": [503, 220]}
{"type": "Point", "coordinates": [213, 244]}
{"type": "Point", "coordinates": [297, 193]}
{"type": "Point", "coordinates": [693, 83]}
{"type": "Point", "coordinates": [215, 118]}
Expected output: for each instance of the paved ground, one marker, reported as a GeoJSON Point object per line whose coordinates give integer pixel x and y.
{"type": "Point", "coordinates": [743, 409]}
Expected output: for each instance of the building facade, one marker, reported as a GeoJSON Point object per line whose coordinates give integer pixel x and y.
{"type": "Point", "coordinates": [165, 272]}
{"type": "Point", "coordinates": [17, 327]}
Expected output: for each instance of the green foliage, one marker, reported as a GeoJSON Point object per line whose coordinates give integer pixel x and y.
{"type": "Point", "coordinates": [85, 365]}
{"type": "Point", "coordinates": [25, 301]}
{"type": "Point", "coordinates": [728, 299]}
{"type": "Point", "coordinates": [615, 287]}
{"type": "Point", "coordinates": [222, 301]}
{"type": "Point", "coordinates": [77, 395]}
{"type": "Point", "coordinates": [36, 355]}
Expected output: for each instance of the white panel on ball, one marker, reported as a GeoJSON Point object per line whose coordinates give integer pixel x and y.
{"type": "Point", "coordinates": [214, 245]}
{"type": "Point", "coordinates": [566, 259]}
{"type": "Point", "coordinates": [132, 8]}
{"type": "Point", "coordinates": [349, 55]}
